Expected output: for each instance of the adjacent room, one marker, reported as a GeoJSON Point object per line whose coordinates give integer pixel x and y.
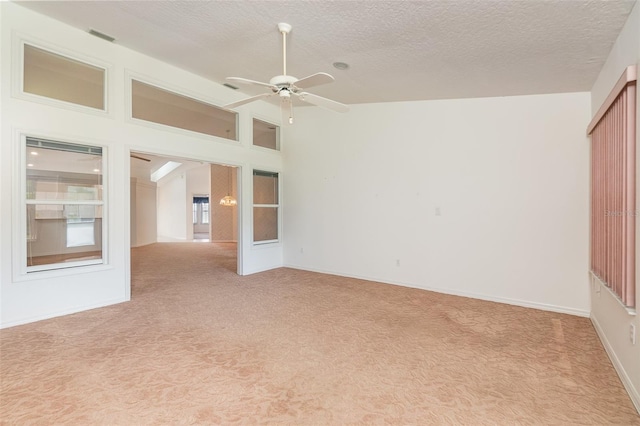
{"type": "Point", "coordinates": [176, 200]}
{"type": "Point", "coordinates": [433, 222]}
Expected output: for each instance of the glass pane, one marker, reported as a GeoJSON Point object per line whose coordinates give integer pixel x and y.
{"type": "Point", "coordinates": [265, 223]}
{"type": "Point", "coordinates": [58, 77]}
{"type": "Point", "coordinates": [265, 187]}
{"type": "Point", "coordinates": [265, 134]}
{"type": "Point", "coordinates": [80, 234]}
{"type": "Point", "coordinates": [205, 213]}
{"type": "Point", "coordinates": [160, 106]}
{"type": "Point", "coordinates": [53, 174]}
{"type": "Point", "coordinates": [58, 233]}
{"type": "Point", "coordinates": [195, 213]}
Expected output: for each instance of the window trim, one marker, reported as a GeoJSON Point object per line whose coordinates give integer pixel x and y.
{"type": "Point", "coordinates": [276, 206]}
{"type": "Point", "coordinates": [278, 134]}
{"type": "Point", "coordinates": [22, 272]}
{"type": "Point", "coordinates": [17, 78]}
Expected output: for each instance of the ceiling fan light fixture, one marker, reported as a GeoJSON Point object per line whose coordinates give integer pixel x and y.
{"type": "Point", "coordinates": [285, 94]}
{"type": "Point", "coordinates": [228, 200]}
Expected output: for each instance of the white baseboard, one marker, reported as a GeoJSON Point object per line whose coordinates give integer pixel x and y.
{"type": "Point", "coordinates": [508, 301]}
{"type": "Point", "coordinates": [624, 377]}
{"type": "Point", "coordinates": [258, 270]}
{"type": "Point", "coordinates": [70, 311]}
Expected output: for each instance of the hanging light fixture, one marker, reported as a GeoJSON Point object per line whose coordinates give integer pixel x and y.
{"type": "Point", "coordinates": [228, 200]}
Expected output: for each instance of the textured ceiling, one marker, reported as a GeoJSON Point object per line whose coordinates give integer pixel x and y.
{"type": "Point", "coordinates": [397, 50]}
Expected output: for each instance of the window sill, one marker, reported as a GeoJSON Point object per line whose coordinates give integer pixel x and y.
{"type": "Point", "coordinates": [602, 286]}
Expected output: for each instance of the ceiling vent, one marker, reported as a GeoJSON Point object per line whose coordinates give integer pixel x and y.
{"type": "Point", "coordinates": [102, 36]}
{"type": "Point", "coordinates": [230, 86]}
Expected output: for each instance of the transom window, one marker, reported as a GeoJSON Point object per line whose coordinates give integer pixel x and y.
{"type": "Point", "coordinates": [151, 103]}
{"type": "Point", "coordinates": [61, 78]}
{"type": "Point", "coordinates": [266, 135]}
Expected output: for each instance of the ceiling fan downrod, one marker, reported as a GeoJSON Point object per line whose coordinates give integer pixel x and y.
{"type": "Point", "coordinates": [284, 30]}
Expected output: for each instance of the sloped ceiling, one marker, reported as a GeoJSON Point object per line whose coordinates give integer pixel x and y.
{"type": "Point", "coordinates": [397, 50]}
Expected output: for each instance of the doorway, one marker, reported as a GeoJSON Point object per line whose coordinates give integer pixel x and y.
{"type": "Point", "coordinates": [179, 200]}
{"type": "Point", "coordinates": [201, 218]}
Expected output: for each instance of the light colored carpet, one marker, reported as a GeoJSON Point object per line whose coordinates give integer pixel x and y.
{"type": "Point", "coordinates": [200, 345]}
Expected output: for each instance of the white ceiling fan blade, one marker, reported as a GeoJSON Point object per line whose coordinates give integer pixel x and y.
{"type": "Point", "coordinates": [137, 157]}
{"type": "Point", "coordinates": [314, 80]}
{"type": "Point", "coordinates": [252, 82]}
{"type": "Point", "coordinates": [247, 100]}
{"type": "Point", "coordinates": [323, 102]}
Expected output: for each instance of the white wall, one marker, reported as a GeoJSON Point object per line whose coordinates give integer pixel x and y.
{"type": "Point", "coordinates": [143, 218]}
{"type": "Point", "coordinates": [172, 202]}
{"type": "Point", "coordinates": [509, 177]}
{"type": "Point", "coordinates": [28, 297]}
{"type": "Point", "coordinates": [609, 317]}
{"type": "Point", "coordinates": [146, 219]}
{"type": "Point", "coordinates": [143, 205]}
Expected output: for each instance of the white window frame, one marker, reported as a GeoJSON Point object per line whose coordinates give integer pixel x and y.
{"type": "Point", "coordinates": [194, 211]}
{"type": "Point", "coordinates": [162, 85]}
{"type": "Point", "coordinates": [202, 213]}
{"type": "Point", "coordinates": [17, 87]}
{"type": "Point", "coordinates": [20, 238]}
{"type": "Point", "coordinates": [278, 134]}
{"type": "Point", "coordinates": [276, 206]}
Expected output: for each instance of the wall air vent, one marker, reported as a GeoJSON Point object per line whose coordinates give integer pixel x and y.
{"type": "Point", "coordinates": [101, 35]}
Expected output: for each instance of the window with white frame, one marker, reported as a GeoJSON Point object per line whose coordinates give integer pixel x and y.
{"type": "Point", "coordinates": [61, 78]}
{"type": "Point", "coordinates": [265, 206]}
{"type": "Point", "coordinates": [205, 213]}
{"type": "Point", "coordinates": [266, 135]}
{"type": "Point", "coordinates": [200, 210]}
{"type": "Point", "coordinates": [156, 105]}
{"type": "Point", "coordinates": [64, 204]}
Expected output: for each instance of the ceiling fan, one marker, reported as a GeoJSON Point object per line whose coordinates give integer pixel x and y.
{"type": "Point", "coordinates": [97, 157]}
{"type": "Point", "coordinates": [137, 157]}
{"type": "Point", "coordinates": [286, 86]}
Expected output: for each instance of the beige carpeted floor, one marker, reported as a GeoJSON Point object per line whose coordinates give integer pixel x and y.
{"type": "Point", "coordinates": [200, 345]}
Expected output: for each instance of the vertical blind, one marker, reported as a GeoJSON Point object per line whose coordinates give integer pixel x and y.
{"type": "Point", "coordinates": [613, 189]}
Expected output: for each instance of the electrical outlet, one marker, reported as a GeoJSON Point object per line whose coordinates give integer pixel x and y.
{"type": "Point", "coordinates": [301, 250]}
{"type": "Point", "coordinates": [397, 262]}
{"type": "Point", "coordinates": [438, 212]}
{"type": "Point", "coordinates": [632, 333]}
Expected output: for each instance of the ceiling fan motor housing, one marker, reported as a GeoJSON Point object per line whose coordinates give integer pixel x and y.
{"type": "Point", "coordinates": [282, 81]}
